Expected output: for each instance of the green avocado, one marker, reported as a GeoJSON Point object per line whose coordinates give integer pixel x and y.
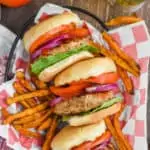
{"type": "Point", "coordinates": [105, 105]}
{"type": "Point", "coordinates": [44, 62]}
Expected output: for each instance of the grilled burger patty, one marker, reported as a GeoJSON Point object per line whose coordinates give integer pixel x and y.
{"type": "Point", "coordinates": [83, 103]}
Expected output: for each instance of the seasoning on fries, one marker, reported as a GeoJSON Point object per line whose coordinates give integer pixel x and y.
{"type": "Point", "coordinates": [50, 135]}
{"type": "Point", "coordinates": [26, 112]}
{"type": "Point", "coordinates": [20, 75]}
{"type": "Point", "coordinates": [114, 46]}
{"type": "Point", "coordinates": [45, 125]}
{"type": "Point", "coordinates": [38, 93]}
{"type": "Point", "coordinates": [27, 132]}
{"type": "Point", "coordinates": [122, 20]}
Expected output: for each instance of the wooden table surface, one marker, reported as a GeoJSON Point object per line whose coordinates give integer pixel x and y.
{"type": "Point", "coordinates": [15, 18]}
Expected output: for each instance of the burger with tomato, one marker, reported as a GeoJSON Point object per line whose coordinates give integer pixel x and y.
{"type": "Point", "coordinates": [56, 43]}
{"type": "Point", "coordinates": [90, 137]}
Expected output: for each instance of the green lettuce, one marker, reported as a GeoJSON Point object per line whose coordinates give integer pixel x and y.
{"type": "Point", "coordinates": [105, 105]}
{"type": "Point", "coordinates": [47, 61]}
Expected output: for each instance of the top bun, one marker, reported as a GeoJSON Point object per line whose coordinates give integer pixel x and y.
{"type": "Point", "coordinates": [70, 137]}
{"type": "Point", "coordinates": [45, 26]}
{"type": "Point", "coordinates": [85, 69]}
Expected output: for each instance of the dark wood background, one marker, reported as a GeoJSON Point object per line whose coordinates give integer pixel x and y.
{"type": "Point", "coordinates": [15, 18]}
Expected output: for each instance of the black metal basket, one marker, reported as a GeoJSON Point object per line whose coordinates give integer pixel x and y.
{"type": "Point", "coordinates": [30, 21]}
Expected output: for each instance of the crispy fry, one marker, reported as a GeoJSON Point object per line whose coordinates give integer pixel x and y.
{"type": "Point", "coordinates": [26, 84]}
{"type": "Point", "coordinates": [120, 144]}
{"type": "Point", "coordinates": [118, 129]}
{"type": "Point", "coordinates": [39, 84]}
{"type": "Point", "coordinates": [5, 113]}
{"type": "Point", "coordinates": [38, 93]}
{"type": "Point", "coordinates": [20, 90]}
{"type": "Point", "coordinates": [30, 118]}
{"type": "Point", "coordinates": [20, 75]}
{"type": "Point", "coordinates": [45, 124]}
{"type": "Point", "coordinates": [27, 132]}
{"type": "Point", "coordinates": [115, 47]}
{"type": "Point", "coordinates": [26, 112]}
{"type": "Point", "coordinates": [121, 20]}
{"type": "Point", "coordinates": [38, 121]}
{"type": "Point", "coordinates": [50, 135]}
{"type": "Point", "coordinates": [120, 62]}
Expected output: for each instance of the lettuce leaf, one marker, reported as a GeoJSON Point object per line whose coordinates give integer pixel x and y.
{"type": "Point", "coordinates": [105, 105]}
{"type": "Point", "coordinates": [44, 62]}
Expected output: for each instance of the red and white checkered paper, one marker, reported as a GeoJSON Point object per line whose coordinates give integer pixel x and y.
{"type": "Point", "coordinates": [135, 41]}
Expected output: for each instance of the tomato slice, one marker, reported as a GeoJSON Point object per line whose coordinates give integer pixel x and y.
{"type": "Point", "coordinates": [91, 144]}
{"type": "Point", "coordinates": [70, 91]}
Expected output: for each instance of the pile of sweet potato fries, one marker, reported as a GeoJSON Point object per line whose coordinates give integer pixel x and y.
{"type": "Point", "coordinates": [33, 95]}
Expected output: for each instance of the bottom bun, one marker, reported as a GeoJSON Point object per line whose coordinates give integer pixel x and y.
{"type": "Point", "coordinates": [94, 117]}
{"type": "Point", "coordinates": [49, 73]}
{"type": "Point", "coordinates": [70, 137]}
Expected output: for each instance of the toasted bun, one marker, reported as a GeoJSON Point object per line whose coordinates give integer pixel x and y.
{"type": "Point", "coordinates": [48, 74]}
{"type": "Point", "coordinates": [70, 137]}
{"type": "Point", "coordinates": [45, 26]}
{"type": "Point", "coordinates": [84, 70]}
{"type": "Point", "coordinates": [94, 117]}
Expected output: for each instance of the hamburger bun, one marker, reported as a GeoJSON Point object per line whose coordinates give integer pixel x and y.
{"type": "Point", "coordinates": [85, 69]}
{"type": "Point", "coordinates": [49, 73]}
{"type": "Point", "coordinates": [94, 117]}
{"type": "Point", "coordinates": [70, 137]}
{"type": "Point", "coordinates": [46, 26]}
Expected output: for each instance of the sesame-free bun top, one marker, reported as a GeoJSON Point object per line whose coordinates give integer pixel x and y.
{"type": "Point", "coordinates": [85, 69]}
{"type": "Point", "coordinates": [70, 137]}
{"type": "Point", "coordinates": [49, 24]}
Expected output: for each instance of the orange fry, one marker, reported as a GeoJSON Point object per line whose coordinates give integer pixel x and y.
{"type": "Point", "coordinates": [114, 46]}
{"type": "Point", "coordinates": [126, 80]}
{"type": "Point", "coordinates": [50, 135]}
{"type": "Point", "coordinates": [120, 62]}
{"type": "Point", "coordinates": [5, 113]}
{"type": "Point", "coordinates": [39, 84]}
{"type": "Point", "coordinates": [20, 75]}
{"type": "Point", "coordinates": [30, 118]}
{"type": "Point", "coordinates": [27, 132]}
{"type": "Point", "coordinates": [26, 112]}
{"type": "Point", "coordinates": [26, 84]}
{"type": "Point", "coordinates": [121, 20]}
{"type": "Point", "coordinates": [38, 121]}
{"type": "Point", "coordinates": [38, 93]}
{"type": "Point", "coordinates": [120, 144]}
{"type": "Point", "coordinates": [45, 124]}
{"type": "Point", "coordinates": [119, 132]}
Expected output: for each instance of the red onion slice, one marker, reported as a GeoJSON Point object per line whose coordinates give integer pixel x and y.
{"type": "Point", "coordinates": [50, 45]}
{"type": "Point", "coordinates": [101, 88]}
{"type": "Point", "coordinates": [55, 101]}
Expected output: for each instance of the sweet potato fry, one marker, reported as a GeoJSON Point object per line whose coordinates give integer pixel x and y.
{"type": "Point", "coordinates": [122, 20]}
{"type": "Point", "coordinates": [39, 84]}
{"type": "Point", "coordinates": [5, 113]}
{"type": "Point", "coordinates": [26, 112]}
{"type": "Point", "coordinates": [119, 131]}
{"type": "Point", "coordinates": [50, 135]}
{"type": "Point", "coordinates": [20, 90]}
{"type": "Point", "coordinates": [120, 144]}
{"type": "Point", "coordinates": [115, 47]}
{"type": "Point", "coordinates": [27, 132]}
{"type": "Point", "coordinates": [126, 80]}
{"type": "Point", "coordinates": [27, 85]}
{"type": "Point", "coordinates": [38, 93]}
{"type": "Point", "coordinates": [38, 121]}
{"type": "Point", "coordinates": [20, 75]}
{"type": "Point", "coordinates": [120, 62]}
{"type": "Point", "coordinates": [45, 125]}
{"type": "Point", "coordinates": [30, 118]}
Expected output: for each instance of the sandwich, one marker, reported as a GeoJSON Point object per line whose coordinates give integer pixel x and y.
{"type": "Point", "coordinates": [56, 43]}
{"type": "Point", "coordinates": [86, 92]}
{"type": "Point", "coordinates": [91, 137]}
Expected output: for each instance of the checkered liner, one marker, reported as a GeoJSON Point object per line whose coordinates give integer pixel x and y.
{"type": "Point", "coordinates": [135, 41]}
